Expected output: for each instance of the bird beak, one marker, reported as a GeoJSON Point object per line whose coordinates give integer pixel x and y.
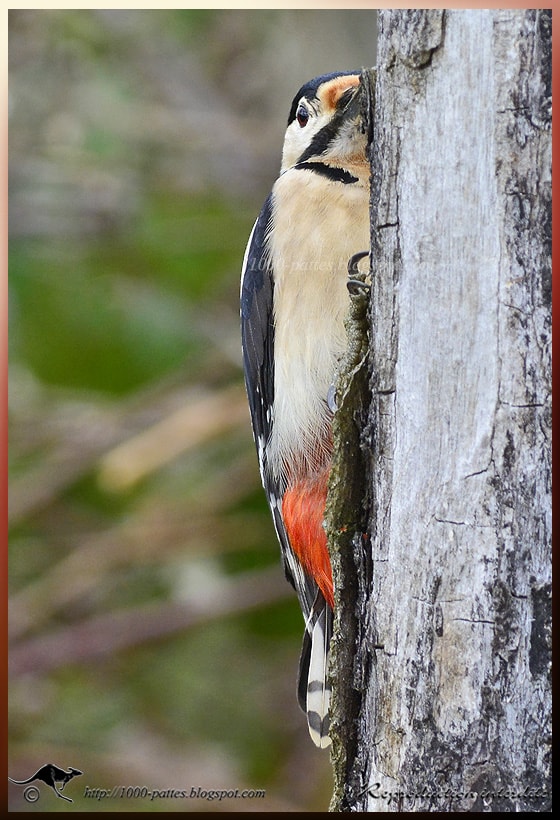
{"type": "Point", "coordinates": [367, 96]}
{"type": "Point", "coordinates": [354, 104]}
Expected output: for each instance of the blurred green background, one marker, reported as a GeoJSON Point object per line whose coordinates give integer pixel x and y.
{"type": "Point", "coordinates": [154, 640]}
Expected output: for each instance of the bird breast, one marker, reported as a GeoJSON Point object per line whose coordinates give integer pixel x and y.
{"type": "Point", "coordinates": [318, 225]}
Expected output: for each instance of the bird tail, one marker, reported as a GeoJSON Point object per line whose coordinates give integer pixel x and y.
{"type": "Point", "coordinates": [314, 690]}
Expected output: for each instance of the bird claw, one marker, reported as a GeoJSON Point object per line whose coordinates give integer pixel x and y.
{"type": "Point", "coordinates": [356, 286]}
{"type": "Point", "coordinates": [331, 399]}
{"type": "Point", "coordinates": [357, 283]}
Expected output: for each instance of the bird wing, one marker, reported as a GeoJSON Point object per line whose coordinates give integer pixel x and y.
{"type": "Point", "coordinates": [257, 336]}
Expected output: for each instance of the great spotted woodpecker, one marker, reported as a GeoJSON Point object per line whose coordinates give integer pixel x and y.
{"type": "Point", "coordinates": [294, 299]}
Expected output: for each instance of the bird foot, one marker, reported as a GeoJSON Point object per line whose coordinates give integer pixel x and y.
{"type": "Point", "coordinates": [357, 280]}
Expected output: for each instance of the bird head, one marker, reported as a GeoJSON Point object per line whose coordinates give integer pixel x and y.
{"type": "Point", "coordinates": [326, 122]}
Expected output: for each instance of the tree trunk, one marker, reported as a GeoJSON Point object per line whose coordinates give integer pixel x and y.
{"type": "Point", "coordinates": [441, 654]}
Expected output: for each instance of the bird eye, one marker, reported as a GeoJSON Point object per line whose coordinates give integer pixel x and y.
{"type": "Point", "coordinates": [302, 116]}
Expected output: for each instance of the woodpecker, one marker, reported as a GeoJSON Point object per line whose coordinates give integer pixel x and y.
{"type": "Point", "coordinates": [294, 299]}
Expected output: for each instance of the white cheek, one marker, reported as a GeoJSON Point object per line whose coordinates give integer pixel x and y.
{"type": "Point", "coordinates": [294, 146]}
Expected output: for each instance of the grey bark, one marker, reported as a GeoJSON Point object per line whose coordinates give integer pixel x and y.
{"type": "Point", "coordinates": [441, 654]}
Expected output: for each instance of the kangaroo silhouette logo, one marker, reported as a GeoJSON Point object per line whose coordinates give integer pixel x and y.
{"type": "Point", "coordinates": [51, 775]}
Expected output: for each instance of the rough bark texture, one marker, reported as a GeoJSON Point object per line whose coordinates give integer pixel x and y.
{"type": "Point", "coordinates": [443, 691]}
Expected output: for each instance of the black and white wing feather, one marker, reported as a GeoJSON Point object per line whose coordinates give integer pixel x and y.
{"type": "Point", "coordinates": [257, 338]}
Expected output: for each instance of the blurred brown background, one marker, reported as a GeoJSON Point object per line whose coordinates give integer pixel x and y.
{"type": "Point", "coordinates": [154, 640]}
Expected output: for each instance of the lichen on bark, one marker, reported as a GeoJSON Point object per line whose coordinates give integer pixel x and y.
{"type": "Point", "coordinates": [346, 521]}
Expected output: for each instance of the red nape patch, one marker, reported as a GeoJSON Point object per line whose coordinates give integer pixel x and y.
{"type": "Point", "coordinates": [303, 510]}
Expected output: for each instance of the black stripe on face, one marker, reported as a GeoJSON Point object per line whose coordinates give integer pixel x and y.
{"type": "Point", "coordinates": [328, 133]}
{"type": "Point", "coordinates": [323, 138]}
{"type": "Point", "coordinates": [329, 171]}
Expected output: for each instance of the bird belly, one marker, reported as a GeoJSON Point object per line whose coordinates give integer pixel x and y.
{"type": "Point", "coordinates": [310, 260]}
